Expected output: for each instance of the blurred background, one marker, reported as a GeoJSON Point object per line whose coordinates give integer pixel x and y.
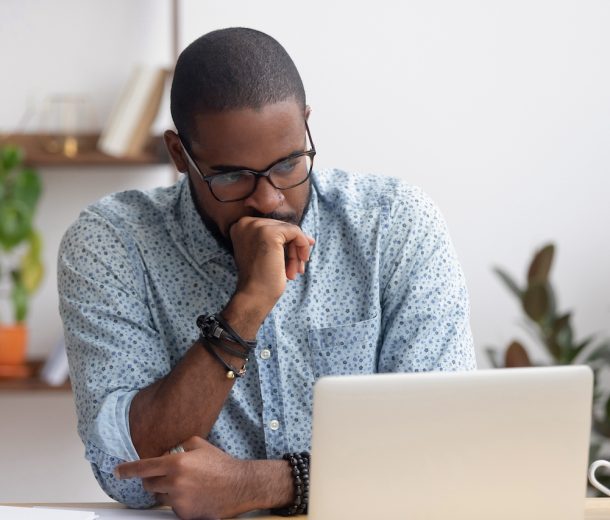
{"type": "Point", "coordinates": [499, 110]}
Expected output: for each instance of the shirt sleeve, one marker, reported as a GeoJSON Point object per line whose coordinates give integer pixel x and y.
{"type": "Point", "coordinates": [425, 306]}
{"type": "Point", "coordinates": [109, 336]}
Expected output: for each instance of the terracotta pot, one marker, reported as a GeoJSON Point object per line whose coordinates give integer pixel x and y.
{"type": "Point", "coordinates": [13, 342]}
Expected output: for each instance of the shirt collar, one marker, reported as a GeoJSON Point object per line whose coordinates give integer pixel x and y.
{"type": "Point", "coordinates": [202, 245]}
{"type": "Point", "coordinates": [309, 225]}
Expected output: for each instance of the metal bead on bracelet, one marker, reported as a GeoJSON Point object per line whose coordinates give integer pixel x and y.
{"type": "Point", "coordinates": [299, 464]}
{"type": "Point", "coordinates": [214, 331]}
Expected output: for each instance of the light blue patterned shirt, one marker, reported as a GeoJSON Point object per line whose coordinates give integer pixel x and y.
{"type": "Point", "coordinates": [383, 292]}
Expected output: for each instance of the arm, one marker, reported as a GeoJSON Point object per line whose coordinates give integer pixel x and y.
{"type": "Point", "coordinates": [423, 295]}
{"type": "Point", "coordinates": [108, 326]}
{"type": "Point", "coordinates": [184, 404]}
{"type": "Point", "coordinates": [231, 486]}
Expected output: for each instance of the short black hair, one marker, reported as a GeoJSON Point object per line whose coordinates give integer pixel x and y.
{"type": "Point", "coordinates": [231, 69]}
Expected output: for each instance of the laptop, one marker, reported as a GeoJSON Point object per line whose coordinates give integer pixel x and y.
{"type": "Point", "coordinates": [502, 444]}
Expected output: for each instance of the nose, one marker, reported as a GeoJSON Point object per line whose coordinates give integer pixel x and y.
{"type": "Point", "coordinates": [265, 198]}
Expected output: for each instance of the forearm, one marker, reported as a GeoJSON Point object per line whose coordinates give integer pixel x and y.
{"type": "Point", "coordinates": [267, 484]}
{"type": "Point", "coordinates": [188, 400]}
{"type": "Point", "coordinates": [184, 403]}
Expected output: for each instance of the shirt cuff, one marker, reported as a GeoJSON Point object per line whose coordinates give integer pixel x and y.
{"type": "Point", "coordinates": [110, 430]}
{"type": "Point", "coordinates": [129, 491]}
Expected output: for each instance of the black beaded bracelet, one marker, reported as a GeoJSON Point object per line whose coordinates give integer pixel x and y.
{"type": "Point", "coordinates": [299, 464]}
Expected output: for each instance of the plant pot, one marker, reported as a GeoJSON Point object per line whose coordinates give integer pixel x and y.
{"type": "Point", "coordinates": [13, 343]}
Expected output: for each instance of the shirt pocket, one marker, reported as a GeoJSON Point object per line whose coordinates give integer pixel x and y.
{"type": "Point", "coordinates": [348, 349]}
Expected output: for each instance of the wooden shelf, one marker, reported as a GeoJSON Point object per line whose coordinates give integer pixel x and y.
{"type": "Point", "coordinates": [35, 147]}
{"type": "Point", "coordinates": [31, 383]}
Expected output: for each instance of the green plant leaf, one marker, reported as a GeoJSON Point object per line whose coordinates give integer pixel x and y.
{"type": "Point", "coordinates": [19, 298]}
{"type": "Point", "coordinates": [540, 266]}
{"type": "Point", "coordinates": [10, 157]}
{"type": "Point", "coordinates": [27, 187]}
{"type": "Point", "coordinates": [492, 357]}
{"type": "Point", "coordinates": [602, 427]}
{"type": "Point", "coordinates": [15, 223]}
{"type": "Point", "coordinates": [562, 336]}
{"type": "Point", "coordinates": [32, 269]}
{"type": "Point", "coordinates": [536, 301]}
{"type": "Point", "coordinates": [516, 356]}
{"type": "Point", "coordinates": [509, 282]}
{"type": "Point", "coordinates": [599, 353]}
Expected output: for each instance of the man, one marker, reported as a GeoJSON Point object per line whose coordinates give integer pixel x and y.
{"type": "Point", "coordinates": [198, 317]}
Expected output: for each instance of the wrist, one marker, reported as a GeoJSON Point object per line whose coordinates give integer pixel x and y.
{"type": "Point", "coordinates": [270, 484]}
{"type": "Point", "coordinates": [245, 314]}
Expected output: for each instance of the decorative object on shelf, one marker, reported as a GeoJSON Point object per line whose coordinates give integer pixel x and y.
{"type": "Point", "coordinates": [21, 268]}
{"type": "Point", "coordinates": [128, 128]}
{"type": "Point", "coordinates": [56, 370]}
{"type": "Point", "coordinates": [66, 120]}
{"type": "Point", "coordinates": [554, 331]}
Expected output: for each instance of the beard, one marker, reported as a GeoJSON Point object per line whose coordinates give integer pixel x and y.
{"type": "Point", "coordinates": [225, 241]}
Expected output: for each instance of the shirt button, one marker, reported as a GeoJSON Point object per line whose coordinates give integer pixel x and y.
{"type": "Point", "coordinates": [274, 424]}
{"type": "Point", "coordinates": [265, 353]}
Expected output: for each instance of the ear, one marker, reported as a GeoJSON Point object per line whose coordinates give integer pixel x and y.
{"type": "Point", "coordinates": [307, 112]}
{"type": "Point", "coordinates": [174, 147]}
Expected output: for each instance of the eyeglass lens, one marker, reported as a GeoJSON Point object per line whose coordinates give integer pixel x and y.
{"type": "Point", "coordinates": [240, 184]}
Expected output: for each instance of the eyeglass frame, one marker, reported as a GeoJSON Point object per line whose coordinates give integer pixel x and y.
{"type": "Point", "coordinates": [257, 173]}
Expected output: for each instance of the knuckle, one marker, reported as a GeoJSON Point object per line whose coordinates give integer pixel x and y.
{"type": "Point", "coordinates": [181, 463]}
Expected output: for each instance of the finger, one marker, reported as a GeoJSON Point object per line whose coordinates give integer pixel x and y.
{"type": "Point", "coordinates": [144, 468]}
{"type": "Point", "coordinates": [292, 261]}
{"type": "Point", "coordinates": [304, 247]}
{"type": "Point", "coordinates": [156, 484]}
{"type": "Point", "coordinates": [302, 267]}
{"type": "Point", "coordinates": [193, 443]}
{"type": "Point", "coordinates": [304, 252]}
{"type": "Point", "coordinates": [291, 270]}
{"type": "Point", "coordinates": [163, 499]}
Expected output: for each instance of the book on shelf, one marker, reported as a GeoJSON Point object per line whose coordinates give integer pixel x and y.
{"type": "Point", "coordinates": [128, 128]}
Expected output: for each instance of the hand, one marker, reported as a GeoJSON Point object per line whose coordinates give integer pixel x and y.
{"type": "Point", "coordinates": [267, 252]}
{"type": "Point", "coordinates": [204, 482]}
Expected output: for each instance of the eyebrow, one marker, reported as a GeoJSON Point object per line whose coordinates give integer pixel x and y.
{"type": "Point", "coordinates": [224, 168]}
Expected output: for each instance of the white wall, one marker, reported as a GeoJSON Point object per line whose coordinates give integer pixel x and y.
{"type": "Point", "coordinates": [499, 110]}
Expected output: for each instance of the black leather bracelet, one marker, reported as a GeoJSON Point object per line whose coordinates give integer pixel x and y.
{"type": "Point", "coordinates": [299, 464]}
{"type": "Point", "coordinates": [222, 346]}
{"type": "Point", "coordinates": [250, 345]}
{"type": "Point", "coordinates": [215, 326]}
{"type": "Point", "coordinates": [232, 372]}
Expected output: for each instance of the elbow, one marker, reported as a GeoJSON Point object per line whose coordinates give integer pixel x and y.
{"type": "Point", "coordinates": [129, 492]}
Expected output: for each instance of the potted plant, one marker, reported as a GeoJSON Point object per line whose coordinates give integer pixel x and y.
{"type": "Point", "coordinates": [553, 329]}
{"type": "Point", "coordinates": [21, 268]}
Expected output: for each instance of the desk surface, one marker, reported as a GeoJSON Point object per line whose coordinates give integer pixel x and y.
{"type": "Point", "coordinates": [595, 509]}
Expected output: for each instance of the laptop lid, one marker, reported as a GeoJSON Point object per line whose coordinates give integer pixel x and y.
{"type": "Point", "coordinates": [500, 444]}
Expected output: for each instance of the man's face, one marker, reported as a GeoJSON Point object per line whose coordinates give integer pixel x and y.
{"type": "Point", "coordinates": [246, 139]}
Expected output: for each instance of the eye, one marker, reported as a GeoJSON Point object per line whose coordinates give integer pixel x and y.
{"type": "Point", "coordinates": [287, 166]}
{"type": "Point", "coordinates": [226, 179]}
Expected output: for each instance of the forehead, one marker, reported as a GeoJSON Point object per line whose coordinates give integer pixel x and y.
{"type": "Point", "coordinates": [253, 137]}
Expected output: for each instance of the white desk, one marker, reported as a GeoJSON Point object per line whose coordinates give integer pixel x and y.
{"type": "Point", "coordinates": [595, 509]}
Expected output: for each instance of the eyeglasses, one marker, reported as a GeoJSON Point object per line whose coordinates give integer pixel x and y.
{"type": "Point", "coordinates": [283, 174]}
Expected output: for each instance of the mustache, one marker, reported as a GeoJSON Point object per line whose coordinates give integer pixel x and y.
{"type": "Point", "coordinates": [289, 218]}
